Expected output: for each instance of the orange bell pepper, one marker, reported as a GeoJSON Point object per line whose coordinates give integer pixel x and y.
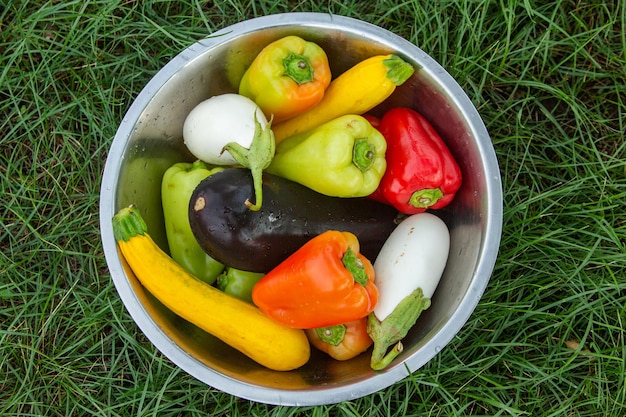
{"type": "Point", "coordinates": [324, 283]}
{"type": "Point", "coordinates": [341, 342]}
{"type": "Point", "coordinates": [287, 77]}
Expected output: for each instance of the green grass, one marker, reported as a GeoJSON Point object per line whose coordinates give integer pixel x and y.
{"type": "Point", "coordinates": [547, 338]}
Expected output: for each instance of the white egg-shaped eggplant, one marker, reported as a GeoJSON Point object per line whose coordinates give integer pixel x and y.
{"type": "Point", "coordinates": [414, 256]}
{"type": "Point", "coordinates": [217, 121]}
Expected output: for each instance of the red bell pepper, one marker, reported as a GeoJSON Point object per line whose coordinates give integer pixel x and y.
{"type": "Point", "coordinates": [341, 342]}
{"type": "Point", "coordinates": [421, 171]}
{"type": "Point", "coordinates": [324, 283]}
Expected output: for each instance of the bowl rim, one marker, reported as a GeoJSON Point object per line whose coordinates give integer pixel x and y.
{"type": "Point", "coordinates": [327, 394]}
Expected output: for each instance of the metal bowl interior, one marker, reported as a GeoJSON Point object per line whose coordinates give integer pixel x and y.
{"type": "Point", "coordinates": [149, 139]}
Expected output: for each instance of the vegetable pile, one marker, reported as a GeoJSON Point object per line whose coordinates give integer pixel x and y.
{"type": "Point", "coordinates": [305, 221]}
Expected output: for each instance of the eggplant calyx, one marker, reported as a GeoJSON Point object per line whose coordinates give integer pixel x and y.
{"type": "Point", "coordinates": [256, 158]}
{"type": "Point", "coordinates": [394, 328]}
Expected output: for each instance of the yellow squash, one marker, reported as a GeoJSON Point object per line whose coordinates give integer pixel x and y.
{"type": "Point", "coordinates": [356, 91]}
{"type": "Point", "coordinates": [237, 323]}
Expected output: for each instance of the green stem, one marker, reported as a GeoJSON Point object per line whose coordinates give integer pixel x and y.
{"type": "Point", "coordinates": [363, 154]}
{"type": "Point", "coordinates": [425, 198]}
{"type": "Point", "coordinates": [256, 158]}
{"type": "Point", "coordinates": [197, 164]}
{"type": "Point", "coordinates": [298, 68]}
{"type": "Point", "coordinates": [381, 359]}
{"type": "Point", "coordinates": [332, 335]}
{"type": "Point", "coordinates": [398, 70]}
{"type": "Point", "coordinates": [394, 328]}
{"type": "Point", "coordinates": [257, 178]}
{"type": "Point", "coordinates": [355, 266]}
{"type": "Point", "coordinates": [128, 223]}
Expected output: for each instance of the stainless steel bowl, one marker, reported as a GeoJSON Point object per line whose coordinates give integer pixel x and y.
{"type": "Point", "coordinates": [149, 139]}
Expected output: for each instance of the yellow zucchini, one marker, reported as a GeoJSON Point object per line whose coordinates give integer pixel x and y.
{"type": "Point", "coordinates": [237, 323]}
{"type": "Point", "coordinates": [356, 91]}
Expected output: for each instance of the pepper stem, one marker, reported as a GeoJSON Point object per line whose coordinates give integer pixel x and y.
{"type": "Point", "coordinates": [298, 68]}
{"type": "Point", "coordinates": [197, 164]}
{"type": "Point", "coordinates": [363, 154]}
{"type": "Point", "coordinates": [332, 335]}
{"type": "Point", "coordinates": [355, 266]}
{"type": "Point", "coordinates": [425, 198]}
{"type": "Point", "coordinates": [394, 328]}
{"type": "Point", "coordinates": [256, 158]}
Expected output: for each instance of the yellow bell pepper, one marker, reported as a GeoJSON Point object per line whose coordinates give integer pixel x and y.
{"type": "Point", "coordinates": [287, 77]}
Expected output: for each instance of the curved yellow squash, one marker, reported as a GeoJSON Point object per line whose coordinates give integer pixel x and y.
{"type": "Point", "coordinates": [237, 323]}
{"type": "Point", "coordinates": [358, 90]}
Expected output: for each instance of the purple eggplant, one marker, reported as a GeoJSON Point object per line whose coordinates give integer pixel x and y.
{"type": "Point", "coordinates": [291, 214]}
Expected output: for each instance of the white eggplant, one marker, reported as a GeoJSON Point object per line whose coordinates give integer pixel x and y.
{"type": "Point", "coordinates": [408, 269]}
{"type": "Point", "coordinates": [231, 129]}
{"type": "Point", "coordinates": [217, 121]}
{"type": "Point", "coordinates": [414, 256]}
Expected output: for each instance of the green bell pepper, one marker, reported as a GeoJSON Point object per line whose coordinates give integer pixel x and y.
{"type": "Point", "coordinates": [341, 158]}
{"type": "Point", "coordinates": [178, 183]}
{"type": "Point", "coordinates": [238, 283]}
